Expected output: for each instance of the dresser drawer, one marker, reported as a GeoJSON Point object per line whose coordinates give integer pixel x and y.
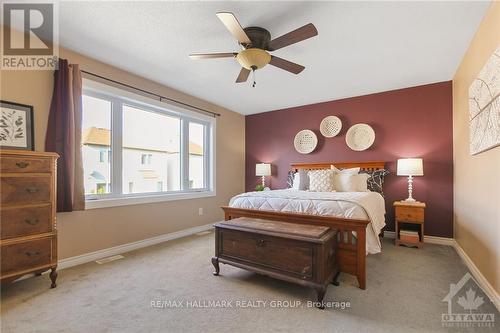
{"type": "Point", "coordinates": [23, 256]}
{"type": "Point", "coordinates": [405, 214]}
{"type": "Point", "coordinates": [25, 190]}
{"type": "Point", "coordinates": [17, 222]}
{"type": "Point", "coordinates": [278, 253]}
{"type": "Point", "coordinates": [24, 164]}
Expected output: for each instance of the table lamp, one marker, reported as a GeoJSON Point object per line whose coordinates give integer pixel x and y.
{"type": "Point", "coordinates": [263, 170]}
{"type": "Point", "coordinates": [410, 167]}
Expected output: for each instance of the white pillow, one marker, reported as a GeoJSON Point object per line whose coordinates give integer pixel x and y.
{"type": "Point", "coordinates": [304, 180]}
{"type": "Point", "coordinates": [296, 181]}
{"type": "Point", "coordinates": [348, 182]}
{"type": "Point", "coordinates": [361, 182]}
{"type": "Point", "coordinates": [321, 180]}
{"type": "Point", "coordinates": [350, 170]}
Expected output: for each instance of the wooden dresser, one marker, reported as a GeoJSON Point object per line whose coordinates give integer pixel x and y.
{"type": "Point", "coordinates": [28, 214]}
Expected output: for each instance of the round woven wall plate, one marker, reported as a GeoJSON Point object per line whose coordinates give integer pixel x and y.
{"type": "Point", "coordinates": [330, 126]}
{"type": "Point", "coordinates": [305, 141]}
{"type": "Point", "coordinates": [360, 137]}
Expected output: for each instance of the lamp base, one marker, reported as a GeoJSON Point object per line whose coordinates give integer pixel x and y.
{"type": "Point", "coordinates": [410, 190]}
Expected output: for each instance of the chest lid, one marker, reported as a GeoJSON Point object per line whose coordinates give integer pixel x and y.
{"type": "Point", "coordinates": [275, 227]}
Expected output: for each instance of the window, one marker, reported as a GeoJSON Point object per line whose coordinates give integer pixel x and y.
{"type": "Point", "coordinates": [96, 141]}
{"type": "Point", "coordinates": [102, 156]}
{"type": "Point", "coordinates": [146, 158]}
{"type": "Point", "coordinates": [147, 133]}
{"type": "Point", "coordinates": [196, 155]}
{"type": "Point", "coordinates": [135, 147]}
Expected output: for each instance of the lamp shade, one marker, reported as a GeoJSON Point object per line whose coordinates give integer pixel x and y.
{"type": "Point", "coordinates": [263, 169]}
{"type": "Point", "coordinates": [410, 167]}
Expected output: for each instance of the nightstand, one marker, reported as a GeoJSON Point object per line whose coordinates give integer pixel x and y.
{"type": "Point", "coordinates": [409, 214]}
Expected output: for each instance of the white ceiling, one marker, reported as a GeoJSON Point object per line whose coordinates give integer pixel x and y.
{"type": "Point", "coordinates": [362, 47]}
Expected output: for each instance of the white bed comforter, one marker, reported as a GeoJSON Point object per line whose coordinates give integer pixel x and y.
{"type": "Point", "coordinates": [355, 205]}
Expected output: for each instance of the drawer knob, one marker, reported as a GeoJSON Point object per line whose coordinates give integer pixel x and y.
{"type": "Point", "coordinates": [261, 242]}
{"type": "Point", "coordinates": [32, 253]}
{"type": "Point", "coordinates": [31, 221]}
{"type": "Point", "coordinates": [22, 165]}
{"type": "Point", "coordinates": [31, 190]}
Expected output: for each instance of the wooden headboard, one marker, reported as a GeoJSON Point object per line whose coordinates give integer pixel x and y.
{"type": "Point", "coordinates": [366, 166]}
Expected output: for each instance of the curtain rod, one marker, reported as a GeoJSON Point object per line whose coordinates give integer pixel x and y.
{"type": "Point", "coordinates": [214, 114]}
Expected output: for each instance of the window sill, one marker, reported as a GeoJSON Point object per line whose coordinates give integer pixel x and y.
{"type": "Point", "coordinates": [145, 199]}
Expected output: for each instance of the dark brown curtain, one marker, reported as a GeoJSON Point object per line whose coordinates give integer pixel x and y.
{"type": "Point", "coordinates": [64, 136]}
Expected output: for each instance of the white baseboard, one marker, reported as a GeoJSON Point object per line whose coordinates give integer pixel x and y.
{"type": "Point", "coordinates": [427, 239]}
{"type": "Point", "coordinates": [120, 249]}
{"type": "Point", "coordinates": [484, 284]}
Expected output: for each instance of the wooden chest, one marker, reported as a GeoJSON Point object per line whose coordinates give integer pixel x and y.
{"type": "Point", "coordinates": [27, 214]}
{"type": "Point", "coordinates": [303, 254]}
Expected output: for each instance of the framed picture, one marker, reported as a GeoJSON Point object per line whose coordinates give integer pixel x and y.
{"type": "Point", "coordinates": [16, 126]}
{"type": "Point", "coordinates": [484, 107]}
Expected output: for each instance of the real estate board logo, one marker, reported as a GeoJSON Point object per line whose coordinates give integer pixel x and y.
{"type": "Point", "coordinates": [30, 35]}
{"type": "Point", "coordinates": [466, 301]}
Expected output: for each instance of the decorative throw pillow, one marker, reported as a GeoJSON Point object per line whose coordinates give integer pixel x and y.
{"type": "Point", "coordinates": [297, 180]}
{"type": "Point", "coordinates": [376, 180]}
{"type": "Point", "coordinates": [290, 178]}
{"type": "Point", "coordinates": [346, 182]}
{"type": "Point", "coordinates": [304, 180]}
{"type": "Point", "coordinates": [321, 180]}
{"type": "Point", "coordinates": [350, 170]}
{"type": "Point", "coordinates": [361, 182]}
{"type": "Point", "coordinates": [342, 180]}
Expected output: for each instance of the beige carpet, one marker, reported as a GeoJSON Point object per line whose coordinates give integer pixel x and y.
{"type": "Point", "coordinates": [404, 294]}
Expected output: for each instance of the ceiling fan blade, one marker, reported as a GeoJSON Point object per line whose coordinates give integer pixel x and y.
{"type": "Point", "coordinates": [234, 27]}
{"type": "Point", "coordinates": [286, 65]}
{"type": "Point", "coordinates": [298, 35]}
{"type": "Point", "coordinates": [212, 55]}
{"type": "Point", "coordinates": [243, 76]}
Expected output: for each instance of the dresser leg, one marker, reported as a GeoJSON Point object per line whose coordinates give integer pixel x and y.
{"type": "Point", "coordinates": [215, 262]}
{"type": "Point", "coordinates": [335, 280]}
{"type": "Point", "coordinates": [53, 277]}
{"type": "Point", "coordinates": [320, 295]}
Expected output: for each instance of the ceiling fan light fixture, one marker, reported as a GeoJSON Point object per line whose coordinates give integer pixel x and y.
{"type": "Point", "coordinates": [253, 57]}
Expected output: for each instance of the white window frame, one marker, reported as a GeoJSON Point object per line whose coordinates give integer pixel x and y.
{"type": "Point", "coordinates": [118, 97]}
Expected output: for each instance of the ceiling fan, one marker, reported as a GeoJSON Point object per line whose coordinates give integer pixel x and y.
{"type": "Point", "coordinates": [256, 44]}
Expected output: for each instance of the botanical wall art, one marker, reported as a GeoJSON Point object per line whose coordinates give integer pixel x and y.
{"type": "Point", "coordinates": [484, 107]}
{"type": "Point", "coordinates": [16, 126]}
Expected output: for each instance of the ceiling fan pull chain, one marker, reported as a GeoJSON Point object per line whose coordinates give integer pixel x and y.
{"type": "Point", "coordinates": [253, 76]}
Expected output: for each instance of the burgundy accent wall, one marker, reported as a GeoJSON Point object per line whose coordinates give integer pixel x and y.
{"type": "Point", "coordinates": [411, 122]}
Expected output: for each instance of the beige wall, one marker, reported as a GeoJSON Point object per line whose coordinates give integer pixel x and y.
{"type": "Point", "coordinates": [477, 178]}
{"type": "Point", "coordinates": [92, 230]}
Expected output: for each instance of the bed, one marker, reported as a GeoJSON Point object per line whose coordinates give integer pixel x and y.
{"type": "Point", "coordinates": [357, 216]}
